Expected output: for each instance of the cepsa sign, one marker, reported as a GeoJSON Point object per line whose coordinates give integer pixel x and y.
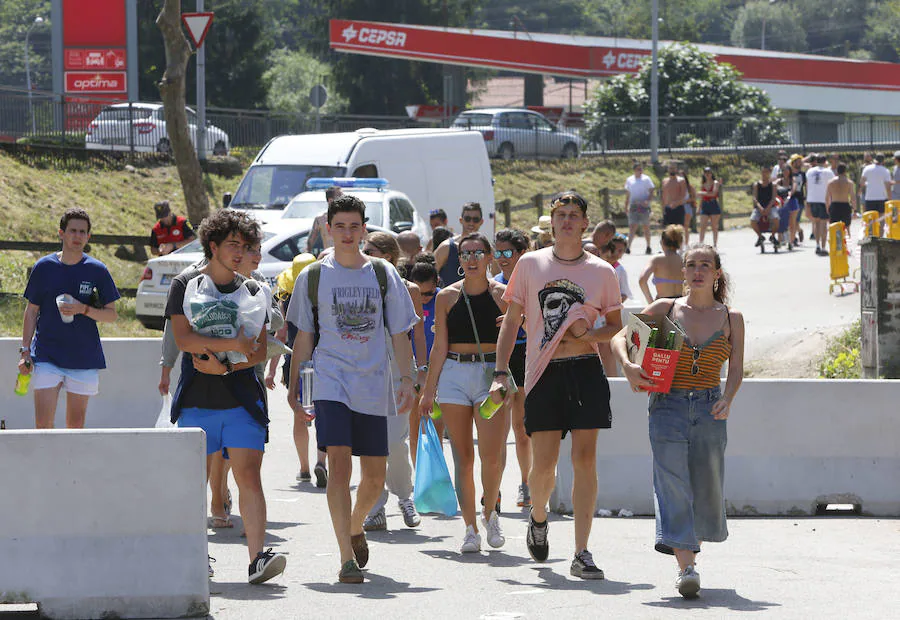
{"type": "Point", "coordinates": [376, 37]}
{"type": "Point", "coordinates": [623, 62]}
{"type": "Point", "coordinates": [105, 82]}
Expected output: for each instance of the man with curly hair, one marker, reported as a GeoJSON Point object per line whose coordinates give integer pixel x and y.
{"type": "Point", "coordinates": [207, 306]}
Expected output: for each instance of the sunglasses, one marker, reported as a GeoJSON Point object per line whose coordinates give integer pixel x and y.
{"type": "Point", "coordinates": [469, 254]}
{"type": "Point", "coordinates": [503, 253]}
{"type": "Point", "coordinates": [471, 219]}
{"type": "Point", "coordinates": [695, 366]}
{"type": "Point", "coordinates": [565, 200]}
{"type": "Point", "coordinates": [430, 293]}
{"type": "Point", "coordinates": [370, 251]}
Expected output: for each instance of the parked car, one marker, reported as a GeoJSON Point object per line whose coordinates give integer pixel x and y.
{"type": "Point", "coordinates": [282, 241]}
{"type": "Point", "coordinates": [436, 168]}
{"type": "Point", "coordinates": [512, 132]}
{"type": "Point", "coordinates": [145, 123]}
{"type": "Point", "coordinates": [385, 208]}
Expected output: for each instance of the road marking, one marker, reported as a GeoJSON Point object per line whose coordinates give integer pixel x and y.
{"type": "Point", "coordinates": [531, 591]}
{"type": "Point", "coordinates": [502, 615]}
{"type": "Point", "coordinates": [288, 501]}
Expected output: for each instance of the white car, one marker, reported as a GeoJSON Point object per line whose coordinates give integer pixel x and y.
{"type": "Point", "coordinates": [118, 125]}
{"type": "Point", "coordinates": [511, 133]}
{"type": "Point", "coordinates": [282, 241]}
{"type": "Point", "coordinates": [385, 208]}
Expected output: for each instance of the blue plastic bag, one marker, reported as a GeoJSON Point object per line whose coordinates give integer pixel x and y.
{"type": "Point", "coordinates": [434, 488]}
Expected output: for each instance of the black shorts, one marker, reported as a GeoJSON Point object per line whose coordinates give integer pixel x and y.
{"type": "Point", "coordinates": [572, 394]}
{"type": "Point", "coordinates": [673, 215]}
{"type": "Point", "coordinates": [840, 212]}
{"type": "Point", "coordinates": [875, 205]}
{"type": "Point", "coordinates": [517, 364]}
{"type": "Point", "coordinates": [710, 207]}
{"type": "Point", "coordinates": [818, 210]}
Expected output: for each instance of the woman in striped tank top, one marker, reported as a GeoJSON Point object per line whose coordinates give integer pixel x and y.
{"type": "Point", "coordinates": [688, 424]}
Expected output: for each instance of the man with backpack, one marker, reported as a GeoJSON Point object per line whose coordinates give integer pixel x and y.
{"type": "Point", "coordinates": [350, 300]}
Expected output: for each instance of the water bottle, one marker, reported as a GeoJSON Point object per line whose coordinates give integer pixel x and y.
{"type": "Point", "coordinates": [488, 407]}
{"type": "Point", "coordinates": [22, 382]}
{"type": "Point", "coordinates": [436, 412]}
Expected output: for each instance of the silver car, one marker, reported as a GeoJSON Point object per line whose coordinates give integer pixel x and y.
{"type": "Point", "coordinates": [516, 133]}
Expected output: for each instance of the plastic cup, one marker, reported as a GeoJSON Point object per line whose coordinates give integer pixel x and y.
{"type": "Point", "coordinates": [306, 386]}
{"type": "Point", "coordinates": [65, 298]}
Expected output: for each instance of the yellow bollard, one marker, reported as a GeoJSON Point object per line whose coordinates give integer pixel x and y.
{"type": "Point", "coordinates": [837, 255]}
{"type": "Point", "coordinates": [892, 219]}
{"type": "Point", "coordinates": [871, 224]}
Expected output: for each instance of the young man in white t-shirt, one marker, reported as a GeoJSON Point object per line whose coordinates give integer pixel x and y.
{"type": "Point", "coordinates": [562, 291]}
{"type": "Point", "coordinates": [639, 190]}
{"type": "Point", "coordinates": [817, 179]}
{"type": "Point", "coordinates": [876, 181]}
{"type": "Point", "coordinates": [352, 387]}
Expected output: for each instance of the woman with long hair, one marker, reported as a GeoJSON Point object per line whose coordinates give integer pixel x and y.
{"type": "Point", "coordinates": [509, 246]}
{"type": "Point", "coordinates": [666, 270]}
{"type": "Point", "coordinates": [710, 209]}
{"type": "Point", "coordinates": [688, 423]}
{"type": "Point", "coordinates": [463, 357]}
{"type": "Point", "coordinates": [790, 208]}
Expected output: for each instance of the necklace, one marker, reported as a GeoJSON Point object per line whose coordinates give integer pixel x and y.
{"type": "Point", "coordinates": [567, 260]}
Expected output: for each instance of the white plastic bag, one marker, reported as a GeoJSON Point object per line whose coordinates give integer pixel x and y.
{"type": "Point", "coordinates": [222, 315]}
{"type": "Point", "coordinates": [165, 413]}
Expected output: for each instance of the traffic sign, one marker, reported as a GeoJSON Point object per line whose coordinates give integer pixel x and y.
{"type": "Point", "coordinates": [197, 25]}
{"type": "Point", "coordinates": [318, 95]}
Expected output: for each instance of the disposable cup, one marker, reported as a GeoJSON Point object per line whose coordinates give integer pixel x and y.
{"type": "Point", "coordinates": [65, 298]}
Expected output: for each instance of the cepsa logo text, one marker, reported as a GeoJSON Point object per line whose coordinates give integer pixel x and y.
{"type": "Point", "coordinates": [374, 36]}
{"type": "Point", "coordinates": [623, 60]}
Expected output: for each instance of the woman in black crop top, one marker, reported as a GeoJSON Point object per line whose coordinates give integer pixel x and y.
{"type": "Point", "coordinates": [459, 380]}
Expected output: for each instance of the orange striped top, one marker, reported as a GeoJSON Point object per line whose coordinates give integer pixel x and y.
{"type": "Point", "coordinates": [704, 360]}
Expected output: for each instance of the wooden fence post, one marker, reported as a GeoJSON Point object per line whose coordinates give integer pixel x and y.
{"type": "Point", "coordinates": [538, 201]}
{"type": "Point", "coordinates": [604, 202]}
{"type": "Point", "coordinates": [722, 207]}
{"type": "Point", "coordinates": [507, 215]}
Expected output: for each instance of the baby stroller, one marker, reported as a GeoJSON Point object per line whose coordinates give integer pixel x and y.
{"type": "Point", "coordinates": [784, 222]}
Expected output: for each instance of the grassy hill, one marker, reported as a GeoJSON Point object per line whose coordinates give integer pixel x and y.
{"type": "Point", "coordinates": [121, 202]}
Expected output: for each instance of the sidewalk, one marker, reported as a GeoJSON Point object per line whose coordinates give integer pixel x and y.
{"type": "Point", "coordinates": [784, 568]}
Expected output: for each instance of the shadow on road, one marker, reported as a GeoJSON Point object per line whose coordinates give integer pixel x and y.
{"type": "Point", "coordinates": [243, 591]}
{"type": "Point", "coordinates": [714, 599]}
{"type": "Point", "coordinates": [561, 582]}
{"type": "Point", "coordinates": [402, 537]}
{"type": "Point", "coordinates": [232, 535]}
{"type": "Point", "coordinates": [491, 558]}
{"type": "Point", "coordinates": [376, 587]}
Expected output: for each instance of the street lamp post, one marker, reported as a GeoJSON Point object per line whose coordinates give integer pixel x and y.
{"type": "Point", "coordinates": [762, 45]}
{"type": "Point", "coordinates": [37, 20]}
{"type": "Point", "coordinates": [654, 83]}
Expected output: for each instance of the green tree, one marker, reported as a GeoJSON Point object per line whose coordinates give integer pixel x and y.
{"type": "Point", "coordinates": [289, 78]}
{"type": "Point", "coordinates": [375, 85]}
{"type": "Point", "coordinates": [236, 54]}
{"type": "Point", "coordinates": [782, 24]}
{"type": "Point", "coordinates": [16, 16]}
{"type": "Point", "coordinates": [691, 84]}
{"type": "Point", "coordinates": [883, 31]}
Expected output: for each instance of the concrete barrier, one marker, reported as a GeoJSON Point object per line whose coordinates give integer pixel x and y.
{"type": "Point", "coordinates": [104, 524]}
{"type": "Point", "coordinates": [794, 445]}
{"type": "Point", "coordinates": [128, 395]}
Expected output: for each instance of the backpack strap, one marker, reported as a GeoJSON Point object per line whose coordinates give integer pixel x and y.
{"type": "Point", "coordinates": [312, 289]}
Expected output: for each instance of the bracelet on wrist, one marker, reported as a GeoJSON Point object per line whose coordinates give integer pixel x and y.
{"type": "Point", "coordinates": [500, 373]}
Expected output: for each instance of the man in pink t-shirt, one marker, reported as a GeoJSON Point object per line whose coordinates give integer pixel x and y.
{"type": "Point", "coordinates": [562, 290]}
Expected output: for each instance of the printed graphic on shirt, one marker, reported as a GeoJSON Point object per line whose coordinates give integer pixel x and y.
{"type": "Point", "coordinates": [556, 298]}
{"type": "Point", "coordinates": [356, 309]}
{"type": "Point", "coordinates": [215, 318]}
{"type": "Point", "coordinates": [85, 287]}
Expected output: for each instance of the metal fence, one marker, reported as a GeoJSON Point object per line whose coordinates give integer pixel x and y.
{"type": "Point", "coordinates": [46, 119]}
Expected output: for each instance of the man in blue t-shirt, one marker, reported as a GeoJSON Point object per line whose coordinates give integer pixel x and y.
{"type": "Point", "coordinates": [68, 293]}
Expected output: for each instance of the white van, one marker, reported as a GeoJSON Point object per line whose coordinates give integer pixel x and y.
{"type": "Point", "coordinates": [436, 168]}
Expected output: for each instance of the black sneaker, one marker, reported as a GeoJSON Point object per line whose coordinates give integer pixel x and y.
{"type": "Point", "coordinates": [759, 241]}
{"type": "Point", "coordinates": [266, 565]}
{"type": "Point", "coordinates": [649, 251]}
{"type": "Point", "coordinates": [536, 540]}
{"type": "Point", "coordinates": [628, 250]}
{"type": "Point", "coordinates": [583, 566]}
{"type": "Point", "coordinates": [321, 475]}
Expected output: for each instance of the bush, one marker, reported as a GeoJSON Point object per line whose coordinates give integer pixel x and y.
{"type": "Point", "coordinates": [56, 139]}
{"type": "Point", "coordinates": [841, 359]}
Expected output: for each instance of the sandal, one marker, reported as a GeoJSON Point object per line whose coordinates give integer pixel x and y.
{"type": "Point", "coordinates": [228, 503]}
{"type": "Point", "coordinates": [218, 523]}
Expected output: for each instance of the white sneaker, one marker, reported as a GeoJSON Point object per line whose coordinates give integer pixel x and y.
{"type": "Point", "coordinates": [492, 530]}
{"type": "Point", "coordinates": [471, 541]}
{"type": "Point", "coordinates": [410, 516]}
{"type": "Point", "coordinates": [688, 583]}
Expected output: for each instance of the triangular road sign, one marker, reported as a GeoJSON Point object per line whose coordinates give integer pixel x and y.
{"type": "Point", "coordinates": [197, 25]}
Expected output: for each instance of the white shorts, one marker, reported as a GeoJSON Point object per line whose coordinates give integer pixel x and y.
{"type": "Point", "coordinates": [757, 214]}
{"type": "Point", "coordinates": [85, 382]}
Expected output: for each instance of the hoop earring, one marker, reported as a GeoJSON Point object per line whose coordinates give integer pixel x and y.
{"type": "Point", "coordinates": [716, 286]}
{"type": "Point", "coordinates": [461, 272]}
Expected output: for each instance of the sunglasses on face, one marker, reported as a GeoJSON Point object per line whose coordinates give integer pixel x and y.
{"type": "Point", "coordinates": [471, 219]}
{"type": "Point", "coordinates": [470, 254]}
{"type": "Point", "coordinates": [430, 293]}
{"type": "Point", "coordinates": [566, 200]}
{"type": "Point", "coordinates": [503, 253]}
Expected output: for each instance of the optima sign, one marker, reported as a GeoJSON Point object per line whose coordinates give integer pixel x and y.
{"type": "Point", "coordinates": [106, 82]}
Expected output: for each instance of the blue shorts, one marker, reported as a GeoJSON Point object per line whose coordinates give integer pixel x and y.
{"type": "Point", "coordinates": [225, 428]}
{"type": "Point", "coordinates": [464, 383]}
{"type": "Point", "coordinates": [337, 425]}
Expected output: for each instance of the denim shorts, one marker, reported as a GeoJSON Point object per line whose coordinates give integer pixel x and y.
{"type": "Point", "coordinates": [338, 425]}
{"type": "Point", "coordinates": [688, 469]}
{"type": "Point", "coordinates": [225, 428]}
{"type": "Point", "coordinates": [464, 383]}
{"type": "Point", "coordinates": [710, 207]}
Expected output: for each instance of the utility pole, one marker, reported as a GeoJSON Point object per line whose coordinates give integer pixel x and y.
{"type": "Point", "coordinates": [37, 21]}
{"type": "Point", "coordinates": [201, 96]}
{"type": "Point", "coordinates": [654, 84]}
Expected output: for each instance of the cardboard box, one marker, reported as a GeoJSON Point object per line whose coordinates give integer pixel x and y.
{"type": "Point", "coordinates": [659, 363]}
